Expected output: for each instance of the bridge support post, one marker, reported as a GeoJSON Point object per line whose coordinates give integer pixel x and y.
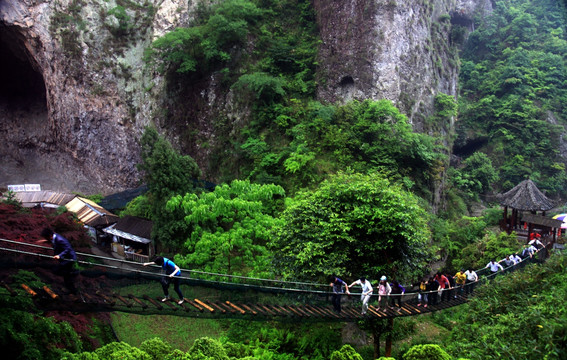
{"type": "Point", "coordinates": [388, 350]}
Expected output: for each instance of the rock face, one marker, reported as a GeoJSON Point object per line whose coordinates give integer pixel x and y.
{"type": "Point", "coordinates": [403, 51]}
{"type": "Point", "coordinates": [56, 130]}
{"type": "Point", "coordinates": [75, 95]}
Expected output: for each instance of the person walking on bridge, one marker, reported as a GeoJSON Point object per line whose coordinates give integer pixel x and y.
{"type": "Point", "coordinates": [66, 255]}
{"type": "Point", "coordinates": [460, 280]}
{"type": "Point", "coordinates": [423, 296]}
{"type": "Point", "coordinates": [384, 291]}
{"type": "Point", "coordinates": [444, 286]}
{"type": "Point", "coordinates": [172, 272]}
{"type": "Point", "coordinates": [472, 278]}
{"type": "Point", "coordinates": [433, 287]}
{"type": "Point", "coordinates": [397, 291]}
{"type": "Point", "coordinates": [366, 292]}
{"type": "Point", "coordinates": [337, 285]}
{"type": "Point", "coordinates": [494, 266]}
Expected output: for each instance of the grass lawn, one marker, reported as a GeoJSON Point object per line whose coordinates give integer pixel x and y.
{"type": "Point", "coordinates": [180, 332]}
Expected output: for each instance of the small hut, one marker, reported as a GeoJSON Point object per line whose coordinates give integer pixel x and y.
{"type": "Point", "coordinates": [526, 197]}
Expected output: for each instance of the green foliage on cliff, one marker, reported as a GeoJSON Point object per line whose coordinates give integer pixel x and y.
{"type": "Point", "coordinates": [513, 77]}
{"type": "Point", "coordinates": [308, 141]}
{"type": "Point", "coordinates": [476, 176]}
{"type": "Point", "coordinates": [207, 46]}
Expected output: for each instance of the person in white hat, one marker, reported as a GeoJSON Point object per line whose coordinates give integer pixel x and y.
{"type": "Point", "coordinates": [384, 291]}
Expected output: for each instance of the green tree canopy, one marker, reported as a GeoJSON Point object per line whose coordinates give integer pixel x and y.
{"type": "Point", "coordinates": [230, 227]}
{"type": "Point", "coordinates": [346, 352]}
{"type": "Point", "coordinates": [167, 173]}
{"type": "Point", "coordinates": [352, 225]}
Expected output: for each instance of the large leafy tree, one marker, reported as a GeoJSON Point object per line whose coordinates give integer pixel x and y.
{"type": "Point", "coordinates": [167, 173]}
{"type": "Point", "coordinates": [353, 225]}
{"type": "Point", "coordinates": [230, 227]}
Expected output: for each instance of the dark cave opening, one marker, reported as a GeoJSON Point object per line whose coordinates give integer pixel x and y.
{"type": "Point", "coordinates": [347, 81]}
{"type": "Point", "coordinates": [20, 82]}
{"type": "Point", "coordinates": [24, 123]}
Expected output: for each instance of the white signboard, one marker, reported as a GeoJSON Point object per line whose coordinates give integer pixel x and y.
{"type": "Point", "coordinates": [24, 187]}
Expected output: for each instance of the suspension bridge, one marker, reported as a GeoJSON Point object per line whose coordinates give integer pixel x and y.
{"type": "Point", "coordinates": [109, 284]}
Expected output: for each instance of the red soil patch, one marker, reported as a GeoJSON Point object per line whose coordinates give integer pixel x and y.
{"type": "Point", "coordinates": [25, 225]}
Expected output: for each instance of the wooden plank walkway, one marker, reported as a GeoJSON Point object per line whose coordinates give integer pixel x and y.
{"type": "Point", "coordinates": [49, 300]}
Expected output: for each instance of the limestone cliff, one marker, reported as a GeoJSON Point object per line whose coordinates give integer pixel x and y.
{"type": "Point", "coordinates": [75, 94]}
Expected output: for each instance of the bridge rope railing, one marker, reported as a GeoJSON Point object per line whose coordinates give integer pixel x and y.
{"type": "Point", "coordinates": [302, 292]}
{"type": "Point", "coordinates": [194, 276]}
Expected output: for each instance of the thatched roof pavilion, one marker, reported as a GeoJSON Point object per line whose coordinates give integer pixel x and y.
{"type": "Point", "coordinates": [524, 197]}
{"type": "Point", "coordinates": [527, 197]}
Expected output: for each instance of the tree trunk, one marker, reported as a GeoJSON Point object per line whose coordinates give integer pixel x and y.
{"type": "Point", "coordinates": [376, 337]}
{"type": "Point", "coordinates": [389, 338]}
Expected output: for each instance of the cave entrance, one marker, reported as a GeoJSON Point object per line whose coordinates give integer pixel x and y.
{"type": "Point", "coordinates": [20, 82]}
{"type": "Point", "coordinates": [23, 109]}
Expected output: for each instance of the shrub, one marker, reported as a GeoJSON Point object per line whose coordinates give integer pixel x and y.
{"type": "Point", "coordinates": [426, 352]}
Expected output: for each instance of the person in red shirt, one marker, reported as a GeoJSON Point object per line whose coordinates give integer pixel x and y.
{"type": "Point", "coordinates": [444, 285]}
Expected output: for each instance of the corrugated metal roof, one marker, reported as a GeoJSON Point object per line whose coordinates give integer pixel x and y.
{"type": "Point", "coordinates": [90, 213]}
{"type": "Point", "coordinates": [135, 225]}
{"type": "Point", "coordinates": [33, 198]}
{"type": "Point", "coordinates": [526, 196]}
{"type": "Point", "coordinates": [112, 230]}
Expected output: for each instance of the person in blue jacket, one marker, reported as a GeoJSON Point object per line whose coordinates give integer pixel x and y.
{"type": "Point", "coordinates": [338, 286]}
{"type": "Point", "coordinates": [172, 272]}
{"type": "Point", "coordinates": [66, 255]}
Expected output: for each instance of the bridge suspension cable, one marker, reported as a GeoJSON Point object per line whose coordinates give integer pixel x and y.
{"type": "Point", "coordinates": [300, 292]}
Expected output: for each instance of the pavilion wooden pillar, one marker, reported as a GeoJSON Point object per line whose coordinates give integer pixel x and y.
{"type": "Point", "coordinates": [505, 219]}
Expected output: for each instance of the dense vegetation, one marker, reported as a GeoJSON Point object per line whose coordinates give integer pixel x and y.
{"type": "Point", "coordinates": [265, 51]}
{"type": "Point", "coordinates": [513, 96]}
{"type": "Point", "coordinates": [347, 188]}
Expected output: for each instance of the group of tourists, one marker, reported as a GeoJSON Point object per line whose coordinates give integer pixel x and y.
{"type": "Point", "coordinates": [431, 290]}
{"type": "Point", "coordinates": [386, 290]}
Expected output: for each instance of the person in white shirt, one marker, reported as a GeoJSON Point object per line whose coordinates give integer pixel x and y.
{"type": "Point", "coordinates": [470, 283]}
{"type": "Point", "coordinates": [494, 266]}
{"type": "Point", "coordinates": [529, 250]}
{"type": "Point", "coordinates": [516, 258]}
{"type": "Point", "coordinates": [366, 292]}
{"type": "Point", "coordinates": [536, 243]}
{"type": "Point", "coordinates": [508, 261]}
